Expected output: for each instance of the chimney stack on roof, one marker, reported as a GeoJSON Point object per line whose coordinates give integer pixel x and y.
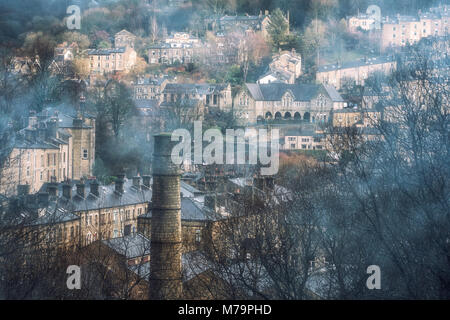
{"type": "Point", "coordinates": [94, 187]}
{"type": "Point", "coordinates": [43, 199]}
{"type": "Point", "coordinates": [52, 188]}
{"type": "Point", "coordinates": [146, 181]}
{"type": "Point", "coordinates": [32, 119]}
{"type": "Point", "coordinates": [23, 189]}
{"type": "Point", "coordinates": [52, 127]}
{"type": "Point", "coordinates": [119, 183]}
{"type": "Point", "coordinates": [137, 182]}
{"type": "Point", "coordinates": [211, 202]}
{"type": "Point", "coordinates": [81, 189]}
{"type": "Point", "coordinates": [67, 190]}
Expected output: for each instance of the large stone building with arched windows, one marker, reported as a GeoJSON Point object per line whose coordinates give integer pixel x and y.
{"type": "Point", "coordinates": [273, 101]}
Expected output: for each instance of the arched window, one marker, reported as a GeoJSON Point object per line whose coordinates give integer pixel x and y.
{"type": "Point", "coordinates": [297, 116]}
{"type": "Point", "coordinates": [287, 115]}
{"type": "Point", "coordinates": [277, 115]}
{"type": "Point", "coordinates": [268, 115]}
{"type": "Point", "coordinates": [307, 116]}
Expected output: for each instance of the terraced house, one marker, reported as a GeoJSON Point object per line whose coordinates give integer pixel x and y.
{"type": "Point", "coordinates": [54, 146]}
{"type": "Point", "coordinates": [354, 72]}
{"type": "Point", "coordinates": [401, 30]}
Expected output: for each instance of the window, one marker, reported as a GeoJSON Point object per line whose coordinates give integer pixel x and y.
{"type": "Point", "coordinates": [28, 171]}
{"type": "Point", "coordinates": [85, 154]}
{"type": "Point", "coordinates": [198, 235]}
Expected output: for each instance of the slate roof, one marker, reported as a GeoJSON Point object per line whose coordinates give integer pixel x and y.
{"type": "Point", "coordinates": [131, 246]}
{"type": "Point", "coordinates": [125, 32]}
{"type": "Point", "coordinates": [39, 144]}
{"type": "Point", "coordinates": [194, 88]}
{"type": "Point", "coordinates": [301, 92]}
{"type": "Point", "coordinates": [190, 189]}
{"type": "Point", "coordinates": [65, 116]}
{"type": "Point", "coordinates": [191, 210]}
{"type": "Point", "coordinates": [157, 81]}
{"type": "Point", "coordinates": [302, 133]}
{"type": "Point", "coordinates": [355, 63]}
{"type": "Point", "coordinates": [106, 51]}
{"type": "Point", "coordinates": [107, 198]}
{"type": "Point", "coordinates": [279, 74]}
{"type": "Point", "coordinates": [241, 18]}
{"type": "Point", "coordinates": [55, 214]}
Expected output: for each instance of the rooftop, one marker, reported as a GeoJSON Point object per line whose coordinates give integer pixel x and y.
{"type": "Point", "coordinates": [356, 63]}
{"type": "Point", "coordinates": [301, 92]}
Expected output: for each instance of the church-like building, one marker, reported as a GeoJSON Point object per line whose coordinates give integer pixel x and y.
{"type": "Point", "coordinates": [308, 102]}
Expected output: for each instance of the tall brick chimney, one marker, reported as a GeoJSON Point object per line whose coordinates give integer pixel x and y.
{"type": "Point", "coordinates": [166, 246]}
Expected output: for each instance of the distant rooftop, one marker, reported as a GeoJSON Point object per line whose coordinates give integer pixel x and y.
{"type": "Point", "coordinates": [356, 63]}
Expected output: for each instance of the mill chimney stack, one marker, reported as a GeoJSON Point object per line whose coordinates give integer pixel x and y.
{"type": "Point", "coordinates": [166, 246]}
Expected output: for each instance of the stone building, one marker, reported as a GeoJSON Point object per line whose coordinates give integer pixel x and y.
{"type": "Point", "coordinates": [277, 101]}
{"type": "Point", "coordinates": [356, 117]}
{"type": "Point", "coordinates": [124, 38]}
{"type": "Point", "coordinates": [54, 145]}
{"type": "Point", "coordinates": [149, 88]}
{"type": "Point", "coordinates": [209, 95]}
{"type": "Point", "coordinates": [35, 221]}
{"type": "Point", "coordinates": [196, 219]}
{"type": "Point", "coordinates": [180, 47]}
{"type": "Point", "coordinates": [65, 52]}
{"type": "Point", "coordinates": [285, 67]}
{"type": "Point", "coordinates": [165, 53]}
{"type": "Point", "coordinates": [401, 30]}
{"type": "Point", "coordinates": [242, 24]}
{"type": "Point", "coordinates": [107, 211]}
{"type": "Point", "coordinates": [302, 140]}
{"type": "Point", "coordinates": [111, 60]}
{"type": "Point", "coordinates": [354, 72]}
{"type": "Point", "coordinates": [364, 22]}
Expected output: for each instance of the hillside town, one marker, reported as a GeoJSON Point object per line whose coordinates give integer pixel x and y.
{"type": "Point", "coordinates": [347, 100]}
